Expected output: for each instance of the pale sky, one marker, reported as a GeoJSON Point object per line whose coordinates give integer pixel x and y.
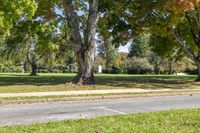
{"type": "Point", "coordinates": [124, 48]}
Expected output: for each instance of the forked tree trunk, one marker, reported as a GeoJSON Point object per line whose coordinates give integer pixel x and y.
{"type": "Point", "coordinates": [83, 45]}
{"type": "Point", "coordinates": [85, 60]}
{"type": "Point", "coordinates": [34, 69]}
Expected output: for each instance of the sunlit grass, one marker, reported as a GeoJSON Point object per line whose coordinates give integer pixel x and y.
{"type": "Point", "coordinates": [15, 83]}
{"type": "Point", "coordinates": [173, 121]}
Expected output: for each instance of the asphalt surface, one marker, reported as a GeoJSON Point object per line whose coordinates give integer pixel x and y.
{"type": "Point", "coordinates": [33, 113]}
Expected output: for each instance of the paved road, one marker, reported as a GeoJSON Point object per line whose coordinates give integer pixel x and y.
{"type": "Point", "coordinates": [26, 114]}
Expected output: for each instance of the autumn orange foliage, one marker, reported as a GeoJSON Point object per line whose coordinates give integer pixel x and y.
{"type": "Point", "coordinates": [183, 5]}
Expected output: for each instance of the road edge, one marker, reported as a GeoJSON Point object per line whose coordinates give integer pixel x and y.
{"type": "Point", "coordinates": [88, 98]}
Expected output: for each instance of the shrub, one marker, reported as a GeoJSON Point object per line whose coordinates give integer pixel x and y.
{"type": "Point", "coordinates": [113, 70]}
{"type": "Point", "coordinates": [137, 65]}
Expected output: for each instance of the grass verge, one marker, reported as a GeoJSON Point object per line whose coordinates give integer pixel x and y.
{"type": "Point", "coordinates": [173, 121]}
{"type": "Point", "coordinates": [172, 92]}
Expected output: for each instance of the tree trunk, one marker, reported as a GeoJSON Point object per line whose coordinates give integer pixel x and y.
{"type": "Point", "coordinates": [85, 60]}
{"type": "Point", "coordinates": [138, 71]}
{"type": "Point", "coordinates": [84, 45]}
{"type": "Point", "coordinates": [198, 72]}
{"type": "Point", "coordinates": [25, 67]}
{"type": "Point", "coordinates": [33, 69]}
{"type": "Point", "coordinates": [170, 65]}
{"type": "Point", "coordinates": [157, 69]}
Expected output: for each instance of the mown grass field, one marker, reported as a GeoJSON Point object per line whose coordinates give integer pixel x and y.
{"type": "Point", "coordinates": [173, 121]}
{"type": "Point", "coordinates": [15, 83]}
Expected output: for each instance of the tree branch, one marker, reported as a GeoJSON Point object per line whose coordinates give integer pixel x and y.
{"type": "Point", "coordinates": [72, 20]}
{"type": "Point", "coordinates": [195, 37]}
{"type": "Point", "coordinates": [39, 57]}
{"type": "Point", "coordinates": [90, 31]}
{"type": "Point", "coordinates": [182, 45]}
{"type": "Point", "coordinates": [195, 18]}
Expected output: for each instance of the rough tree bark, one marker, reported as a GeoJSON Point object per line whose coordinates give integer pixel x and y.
{"type": "Point", "coordinates": [85, 60]}
{"type": "Point", "coordinates": [170, 67]}
{"type": "Point", "coordinates": [33, 69]}
{"type": "Point", "coordinates": [198, 78]}
{"type": "Point", "coordinates": [83, 46]}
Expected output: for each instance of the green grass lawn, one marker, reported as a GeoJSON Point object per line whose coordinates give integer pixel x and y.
{"type": "Point", "coordinates": [173, 121]}
{"type": "Point", "coordinates": [15, 83]}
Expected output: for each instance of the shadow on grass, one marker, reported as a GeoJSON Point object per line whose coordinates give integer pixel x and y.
{"type": "Point", "coordinates": [34, 80]}
{"type": "Point", "coordinates": [147, 82]}
{"type": "Point", "coordinates": [129, 81]}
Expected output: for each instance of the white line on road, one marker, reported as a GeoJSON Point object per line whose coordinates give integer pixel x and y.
{"type": "Point", "coordinates": [111, 110]}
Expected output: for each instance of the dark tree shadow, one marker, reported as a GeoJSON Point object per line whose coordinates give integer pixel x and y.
{"type": "Point", "coordinates": [34, 80]}
{"type": "Point", "coordinates": [147, 82]}
{"type": "Point", "coordinates": [132, 81]}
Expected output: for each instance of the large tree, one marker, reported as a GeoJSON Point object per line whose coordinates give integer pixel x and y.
{"type": "Point", "coordinates": [118, 20]}
{"type": "Point", "coordinates": [33, 38]}
{"type": "Point", "coordinates": [180, 19]}
{"type": "Point", "coordinates": [83, 40]}
{"type": "Point", "coordinates": [30, 41]}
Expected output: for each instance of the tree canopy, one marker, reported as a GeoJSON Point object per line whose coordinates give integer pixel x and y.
{"type": "Point", "coordinates": [13, 10]}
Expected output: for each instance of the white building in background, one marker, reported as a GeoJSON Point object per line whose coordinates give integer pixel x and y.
{"type": "Point", "coordinates": [181, 74]}
{"type": "Point", "coordinates": [100, 68]}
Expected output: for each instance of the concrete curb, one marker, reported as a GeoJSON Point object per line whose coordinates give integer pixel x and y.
{"type": "Point", "coordinates": [87, 98]}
